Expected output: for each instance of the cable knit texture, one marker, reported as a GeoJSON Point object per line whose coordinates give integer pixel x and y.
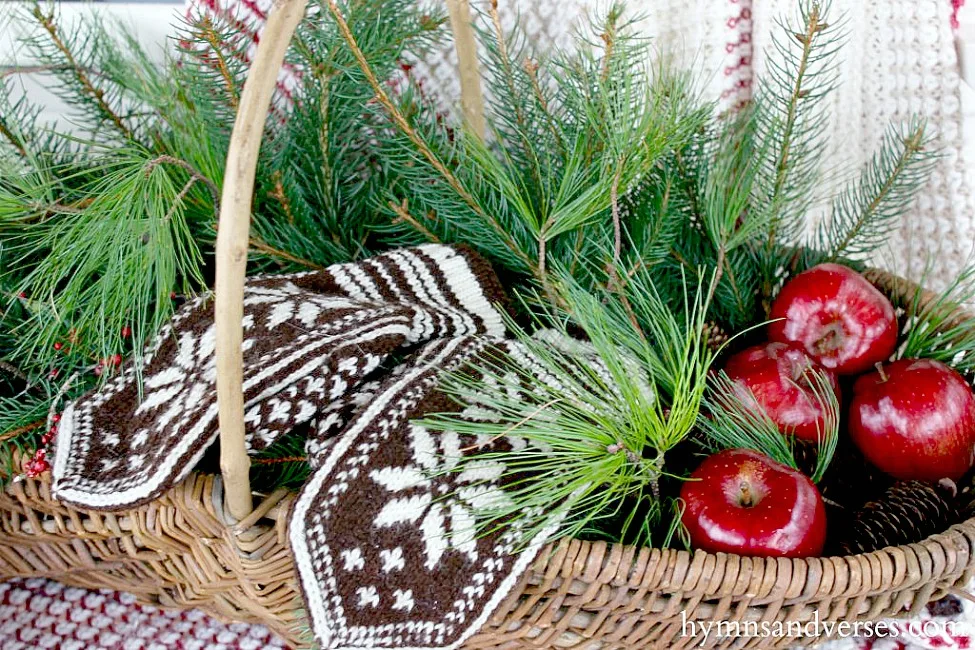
{"type": "Point", "coordinates": [900, 59]}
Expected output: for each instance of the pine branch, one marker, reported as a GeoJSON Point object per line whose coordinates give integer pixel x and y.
{"type": "Point", "coordinates": [217, 43]}
{"type": "Point", "coordinates": [323, 183]}
{"type": "Point", "coordinates": [283, 464]}
{"type": "Point", "coordinates": [867, 211]}
{"type": "Point", "coordinates": [403, 214]}
{"type": "Point", "coordinates": [15, 141]}
{"type": "Point", "coordinates": [104, 268]}
{"type": "Point", "coordinates": [404, 126]}
{"type": "Point", "coordinates": [259, 245]}
{"type": "Point", "coordinates": [597, 418]}
{"type": "Point", "coordinates": [195, 176]}
{"type": "Point", "coordinates": [80, 73]}
{"type": "Point", "coordinates": [793, 118]}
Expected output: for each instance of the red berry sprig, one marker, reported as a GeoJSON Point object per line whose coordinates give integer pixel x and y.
{"type": "Point", "coordinates": [38, 464]}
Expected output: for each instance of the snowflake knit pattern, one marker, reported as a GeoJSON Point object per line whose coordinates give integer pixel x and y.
{"type": "Point", "coordinates": [383, 533]}
{"type": "Point", "coordinates": [309, 340]}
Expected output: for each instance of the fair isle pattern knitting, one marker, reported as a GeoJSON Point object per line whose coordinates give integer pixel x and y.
{"type": "Point", "coordinates": [384, 532]}
{"type": "Point", "coordinates": [309, 340]}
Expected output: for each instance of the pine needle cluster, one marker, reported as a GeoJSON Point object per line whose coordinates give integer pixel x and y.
{"type": "Point", "coordinates": [939, 325]}
{"type": "Point", "coordinates": [595, 419]}
{"type": "Point", "coordinates": [734, 421]}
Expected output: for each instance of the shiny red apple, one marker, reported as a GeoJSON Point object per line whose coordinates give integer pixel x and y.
{"type": "Point", "coordinates": [838, 317]}
{"type": "Point", "coordinates": [779, 378]}
{"type": "Point", "coordinates": [915, 419]}
{"type": "Point", "coordinates": [740, 501]}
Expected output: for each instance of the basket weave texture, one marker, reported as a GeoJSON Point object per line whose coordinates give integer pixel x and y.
{"type": "Point", "coordinates": [182, 551]}
{"type": "Point", "coordinates": [204, 544]}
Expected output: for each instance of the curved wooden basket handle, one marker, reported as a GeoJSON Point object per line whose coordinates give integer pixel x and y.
{"type": "Point", "coordinates": [233, 235]}
{"type": "Point", "coordinates": [234, 222]}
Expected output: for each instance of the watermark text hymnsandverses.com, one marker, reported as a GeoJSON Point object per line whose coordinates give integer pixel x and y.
{"type": "Point", "coordinates": [812, 628]}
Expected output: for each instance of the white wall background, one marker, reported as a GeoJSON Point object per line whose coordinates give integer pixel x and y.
{"type": "Point", "coordinates": [152, 21]}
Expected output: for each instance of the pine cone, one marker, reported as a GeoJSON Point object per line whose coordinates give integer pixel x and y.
{"type": "Point", "coordinates": [715, 336]}
{"type": "Point", "coordinates": [806, 453]}
{"type": "Point", "coordinates": [907, 512]}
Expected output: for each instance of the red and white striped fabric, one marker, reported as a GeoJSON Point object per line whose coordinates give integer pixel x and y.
{"type": "Point", "coordinates": [39, 613]}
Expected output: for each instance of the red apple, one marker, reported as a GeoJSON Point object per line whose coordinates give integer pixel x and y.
{"type": "Point", "coordinates": [740, 501]}
{"type": "Point", "coordinates": [915, 420]}
{"type": "Point", "coordinates": [778, 376]}
{"type": "Point", "coordinates": [836, 316]}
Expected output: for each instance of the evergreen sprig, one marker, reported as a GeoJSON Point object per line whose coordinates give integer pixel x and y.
{"type": "Point", "coordinates": [572, 135]}
{"type": "Point", "coordinates": [734, 420]}
{"type": "Point", "coordinates": [317, 195]}
{"type": "Point", "coordinates": [101, 225]}
{"type": "Point", "coordinates": [938, 325]}
{"type": "Point", "coordinates": [791, 106]}
{"type": "Point", "coordinates": [283, 464]}
{"type": "Point", "coordinates": [868, 210]}
{"type": "Point", "coordinates": [103, 266]}
{"type": "Point", "coordinates": [597, 418]}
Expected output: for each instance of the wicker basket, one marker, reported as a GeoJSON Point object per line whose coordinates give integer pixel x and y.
{"type": "Point", "coordinates": [205, 544]}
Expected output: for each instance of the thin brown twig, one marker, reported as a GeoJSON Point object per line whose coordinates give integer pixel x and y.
{"type": "Point", "coordinates": [608, 37]}
{"type": "Point", "coordinates": [403, 214]}
{"type": "Point", "coordinates": [13, 370]}
{"type": "Point", "coordinates": [509, 79]}
{"type": "Point", "coordinates": [11, 70]}
{"type": "Point", "coordinates": [19, 431]}
{"type": "Point", "coordinates": [813, 27]}
{"type": "Point", "coordinates": [404, 126]}
{"type": "Point", "coordinates": [614, 202]}
{"type": "Point", "coordinates": [14, 140]}
{"type": "Point", "coordinates": [615, 285]}
{"type": "Point", "coordinates": [531, 69]}
{"type": "Point", "coordinates": [180, 197]}
{"type": "Point", "coordinates": [278, 195]}
{"type": "Point", "coordinates": [214, 41]}
{"type": "Point", "coordinates": [274, 461]}
{"type": "Point", "coordinates": [80, 73]}
{"type": "Point", "coordinates": [194, 173]}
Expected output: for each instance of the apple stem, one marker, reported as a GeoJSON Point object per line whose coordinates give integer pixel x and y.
{"type": "Point", "coordinates": [880, 368]}
{"type": "Point", "coordinates": [745, 495]}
